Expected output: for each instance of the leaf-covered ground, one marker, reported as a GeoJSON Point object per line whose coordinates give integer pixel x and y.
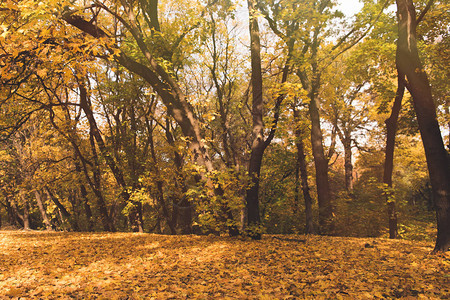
{"type": "Point", "coordinates": [37, 265]}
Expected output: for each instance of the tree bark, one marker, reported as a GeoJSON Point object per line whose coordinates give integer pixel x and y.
{"type": "Point", "coordinates": [95, 132]}
{"type": "Point", "coordinates": [159, 186]}
{"type": "Point", "coordinates": [84, 197]}
{"type": "Point", "coordinates": [41, 207]}
{"type": "Point", "coordinates": [12, 219]}
{"type": "Point", "coordinates": [180, 204]}
{"type": "Point", "coordinates": [26, 213]}
{"type": "Point", "coordinates": [348, 165]}
{"type": "Point", "coordinates": [326, 223]}
{"type": "Point", "coordinates": [15, 218]}
{"type": "Point", "coordinates": [81, 165]}
{"type": "Point", "coordinates": [391, 129]}
{"type": "Point", "coordinates": [107, 222]}
{"type": "Point", "coordinates": [346, 139]}
{"type": "Point", "coordinates": [257, 146]}
{"type": "Point", "coordinates": [302, 174]}
{"type": "Point", "coordinates": [133, 165]}
{"type": "Point", "coordinates": [87, 208]}
{"type": "Point", "coordinates": [409, 63]}
{"type": "Point", "coordinates": [72, 198]}
{"type": "Point", "coordinates": [12, 216]}
{"type": "Point", "coordinates": [63, 211]}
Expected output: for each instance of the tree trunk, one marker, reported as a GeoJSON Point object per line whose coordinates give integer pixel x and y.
{"type": "Point", "coordinates": [181, 208]}
{"type": "Point", "coordinates": [135, 214]}
{"type": "Point", "coordinates": [12, 216]}
{"type": "Point", "coordinates": [117, 173]}
{"type": "Point", "coordinates": [26, 213]}
{"type": "Point", "coordinates": [87, 208]}
{"type": "Point", "coordinates": [159, 187]}
{"type": "Point", "coordinates": [391, 128]}
{"type": "Point", "coordinates": [321, 163]}
{"type": "Point", "coordinates": [302, 172]}
{"type": "Point", "coordinates": [326, 222]}
{"type": "Point", "coordinates": [84, 197]}
{"type": "Point", "coordinates": [95, 132]}
{"type": "Point", "coordinates": [80, 166]}
{"type": "Point", "coordinates": [16, 218]}
{"type": "Point", "coordinates": [408, 63]}
{"type": "Point", "coordinates": [252, 200]}
{"type": "Point", "coordinates": [107, 223]}
{"type": "Point", "coordinates": [447, 110]}
{"type": "Point", "coordinates": [133, 165]}
{"type": "Point", "coordinates": [61, 221]}
{"type": "Point", "coordinates": [345, 137]}
{"type": "Point", "coordinates": [257, 147]}
{"type": "Point", "coordinates": [42, 210]}
{"type": "Point", "coordinates": [73, 200]}
{"type": "Point", "coordinates": [63, 210]}
{"type": "Point", "coordinates": [305, 188]}
{"type": "Point", "coordinates": [348, 165]}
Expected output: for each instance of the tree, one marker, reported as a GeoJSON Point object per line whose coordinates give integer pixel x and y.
{"type": "Point", "coordinates": [304, 27]}
{"type": "Point", "coordinates": [142, 115]}
{"type": "Point", "coordinates": [416, 81]}
{"type": "Point", "coordinates": [346, 108]}
{"type": "Point", "coordinates": [301, 171]}
{"type": "Point", "coordinates": [151, 70]}
{"type": "Point", "coordinates": [259, 143]}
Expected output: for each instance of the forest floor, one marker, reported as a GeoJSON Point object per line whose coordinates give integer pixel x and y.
{"type": "Point", "coordinates": [45, 265]}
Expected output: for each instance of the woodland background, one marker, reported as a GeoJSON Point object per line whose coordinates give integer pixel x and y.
{"type": "Point", "coordinates": [152, 116]}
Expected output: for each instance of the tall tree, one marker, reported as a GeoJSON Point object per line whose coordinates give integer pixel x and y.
{"type": "Point", "coordinates": [259, 142]}
{"type": "Point", "coordinates": [391, 128]}
{"type": "Point", "coordinates": [301, 171]}
{"type": "Point", "coordinates": [410, 64]}
{"type": "Point", "coordinates": [258, 145]}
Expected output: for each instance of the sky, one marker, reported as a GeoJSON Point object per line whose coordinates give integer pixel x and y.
{"type": "Point", "coordinates": [349, 7]}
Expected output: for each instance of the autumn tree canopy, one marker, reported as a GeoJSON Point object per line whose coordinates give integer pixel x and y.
{"type": "Point", "coordinates": [222, 116]}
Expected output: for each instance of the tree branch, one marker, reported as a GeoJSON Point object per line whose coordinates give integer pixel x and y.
{"type": "Point", "coordinates": [425, 10]}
